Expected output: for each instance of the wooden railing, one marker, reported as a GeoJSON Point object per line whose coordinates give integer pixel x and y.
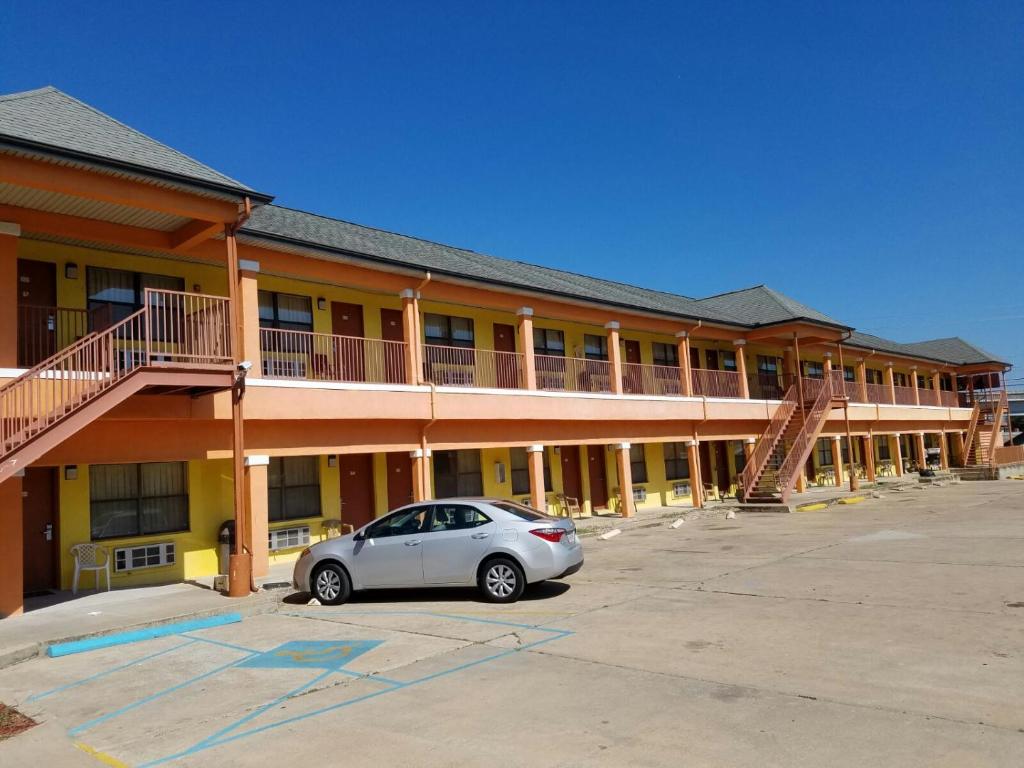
{"type": "Point", "coordinates": [766, 444]}
{"type": "Point", "coordinates": [878, 393]}
{"type": "Point", "coordinates": [904, 396]}
{"type": "Point", "coordinates": [766, 386]}
{"type": "Point", "coordinates": [171, 329]}
{"type": "Point", "coordinates": [467, 367]}
{"type": "Point", "coordinates": [948, 399]}
{"type": "Point", "coordinates": [928, 397]}
{"type": "Point", "coordinates": [325, 357]}
{"type": "Point", "coordinates": [802, 443]}
{"type": "Point", "coordinates": [1008, 454]}
{"type": "Point", "coordinates": [572, 374]}
{"type": "Point", "coordinates": [709, 383]}
{"type": "Point", "coordinates": [640, 379]}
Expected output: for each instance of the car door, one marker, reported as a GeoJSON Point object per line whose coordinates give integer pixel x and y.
{"type": "Point", "coordinates": [390, 553]}
{"type": "Point", "coordinates": [459, 536]}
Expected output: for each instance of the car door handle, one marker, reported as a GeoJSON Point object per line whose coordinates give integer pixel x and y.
{"type": "Point", "coordinates": [413, 543]}
{"type": "Point", "coordinates": [480, 535]}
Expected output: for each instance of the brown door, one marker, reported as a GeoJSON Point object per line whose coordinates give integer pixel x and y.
{"type": "Point", "coordinates": [598, 477]}
{"type": "Point", "coordinates": [391, 329]}
{"type": "Point", "coordinates": [399, 480]}
{"type": "Point", "coordinates": [39, 532]}
{"type": "Point", "coordinates": [507, 368]}
{"type": "Point", "coordinates": [37, 315]}
{"type": "Point", "coordinates": [722, 466]}
{"type": "Point", "coordinates": [572, 485]}
{"type": "Point", "coordinates": [705, 462]}
{"type": "Point", "coordinates": [356, 470]}
{"type": "Point", "coordinates": [632, 382]}
{"type": "Point", "coordinates": [350, 356]}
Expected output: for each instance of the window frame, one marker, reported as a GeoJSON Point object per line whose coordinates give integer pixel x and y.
{"type": "Point", "coordinates": [680, 455]}
{"type": "Point", "coordinates": [283, 515]}
{"type": "Point", "coordinates": [602, 347]}
{"type": "Point", "coordinates": [824, 449]}
{"type": "Point", "coordinates": [546, 348]}
{"type": "Point", "coordinates": [669, 357]}
{"type": "Point", "coordinates": [275, 320]}
{"type": "Point", "coordinates": [448, 339]}
{"type": "Point", "coordinates": [641, 462]}
{"type": "Point", "coordinates": [518, 471]}
{"type": "Point", "coordinates": [139, 498]}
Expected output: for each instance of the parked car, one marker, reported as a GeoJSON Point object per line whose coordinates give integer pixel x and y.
{"type": "Point", "coordinates": [500, 546]}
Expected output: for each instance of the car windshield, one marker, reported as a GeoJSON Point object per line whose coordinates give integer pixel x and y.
{"type": "Point", "coordinates": [520, 511]}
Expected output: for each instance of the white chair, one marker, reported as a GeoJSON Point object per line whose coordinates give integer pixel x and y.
{"type": "Point", "coordinates": [90, 557]}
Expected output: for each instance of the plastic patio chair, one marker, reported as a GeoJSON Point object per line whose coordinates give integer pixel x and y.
{"type": "Point", "coordinates": [90, 557]}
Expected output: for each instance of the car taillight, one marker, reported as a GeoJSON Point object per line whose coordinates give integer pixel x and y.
{"type": "Point", "coordinates": [549, 534]}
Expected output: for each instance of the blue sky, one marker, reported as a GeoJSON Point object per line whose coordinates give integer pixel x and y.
{"type": "Point", "coordinates": [691, 147]}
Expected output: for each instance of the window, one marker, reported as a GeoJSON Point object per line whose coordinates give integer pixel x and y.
{"type": "Point", "coordinates": [447, 331]}
{"type": "Point", "coordinates": [595, 347]}
{"type": "Point", "coordinates": [137, 499]}
{"type": "Point", "coordinates": [900, 379]}
{"type": "Point", "coordinates": [521, 471]}
{"type": "Point", "coordinates": [457, 473]}
{"type": "Point", "coordinates": [523, 513]}
{"type": "Point", "coordinates": [665, 354]}
{"type": "Point", "coordinates": [849, 374]}
{"type": "Point", "coordinates": [874, 376]}
{"type": "Point", "coordinates": [293, 487]}
{"type": "Point", "coordinates": [285, 311]}
{"type": "Point", "coordinates": [548, 342]}
{"type": "Point", "coordinates": [728, 361]}
{"type": "Point", "coordinates": [813, 370]}
{"type": "Point", "coordinates": [739, 456]}
{"type": "Point", "coordinates": [145, 556]}
{"type": "Point", "coordinates": [457, 517]}
{"type": "Point", "coordinates": [882, 444]}
{"type": "Point", "coordinates": [121, 293]}
{"type": "Point", "coordinates": [824, 452]}
{"type": "Point", "coordinates": [405, 522]}
{"type": "Point", "coordinates": [677, 466]}
{"type": "Point", "coordinates": [767, 365]}
{"type": "Point", "coordinates": [638, 463]}
{"type": "Point", "coordinates": [288, 538]}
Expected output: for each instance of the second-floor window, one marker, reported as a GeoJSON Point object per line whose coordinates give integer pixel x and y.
{"type": "Point", "coordinates": [448, 331]}
{"type": "Point", "coordinates": [728, 361]}
{"type": "Point", "coordinates": [813, 370]}
{"type": "Point", "coordinates": [548, 342]}
{"type": "Point", "coordinates": [665, 354]}
{"type": "Point", "coordinates": [874, 376]}
{"type": "Point", "coordinates": [286, 311]}
{"type": "Point", "coordinates": [848, 373]}
{"type": "Point", "coordinates": [595, 347]}
{"type": "Point", "coordinates": [900, 379]}
{"type": "Point", "coordinates": [677, 466]}
{"type": "Point", "coordinates": [122, 292]}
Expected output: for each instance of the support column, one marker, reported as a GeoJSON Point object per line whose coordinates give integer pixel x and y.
{"type": "Point", "coordinates": [801, 480]}
{"type": "Point", "coordinates": [943, 451]}
{"type": "Point", "coordinates": [913, 381]}
{"type": "Point", "coordinates": [897, 451]}
{"type": "Point", "coordinates": [420, 474]}
{"type": "Point", "coordinates": [828, 364]}
{"type": "Point", "coordinates": [922, 457]}
{"type": "Point", "coordinates": [258, 513]}
{"type": "Point", "coordinates": [525, 315]}
{"type": "Point", "coordinates": [741, 367]}
{"type": "Point", "coordinates": [837, 459]}
{"type": "Point", "coordinates": [614, 357]}
{"type": "Point", "coordinates": [683, 353]}
{"type": "Point", "coordinates": [937, 386]}
{"type": "Point", "coordinates": [867, 450]}
{"type": "Point", "coordinates": [693, 462]}
{"type": "Point", "coordinates": [248, 297]}
{"type": "Point", "coordinates": [959, 449]}
{"type": "Point", "coordinates": [9, 234]}
{"type": "Point", "coordinates": [890, 382]}
{"type": "Point", "coordinates": [862, 379]}
{"type": "Point", "coordinates": [411, 336]}
{"type": "Point", "coordinates": [625, 471]}
{"type": "Point", "coordinates": [12, 568]}
{"type": "Point", "coordinates": [748, 448]}
{"type": "Point", "coordinates": [535, 464]}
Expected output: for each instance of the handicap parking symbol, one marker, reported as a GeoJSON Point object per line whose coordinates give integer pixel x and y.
{"type": "Point", "coordinates": [306, 654]}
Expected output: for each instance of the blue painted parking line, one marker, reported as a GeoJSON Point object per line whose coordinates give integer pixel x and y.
{"type": "Point", "coordinates": [149, 633]}
{"type": "Point", "coordinates": [323, 654]}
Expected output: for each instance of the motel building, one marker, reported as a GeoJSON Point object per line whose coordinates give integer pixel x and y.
{"type": "Point", "coordinates": [385, 369]}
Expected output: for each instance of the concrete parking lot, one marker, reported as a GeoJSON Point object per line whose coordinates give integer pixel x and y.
{"type": "Point", "coordinates": [888, 633]}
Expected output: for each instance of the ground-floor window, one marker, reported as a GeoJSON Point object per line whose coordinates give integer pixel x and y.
{"type": "Point", "coordinates": [883, 448]}
{"type": "Point", "coordinates": [138, 499]}
{"type": "Point", "coordinates": [521, 471]}
{"type": "Point", "coordinates": [739, 456]}
{"type": "Point", "coordinates": [638, 463]}
{"type": "Point", "coordinates": [824, 452]}
{"type": "Point", "coordinates": [457, 473]}
{"type": "Point", "coordinates": [293, 487]}
{"type": "Point", "coordinates": [677, 466]}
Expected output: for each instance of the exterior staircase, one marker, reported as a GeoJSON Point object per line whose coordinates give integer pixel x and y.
{"type": "Point", "coordinates": [176, 342]}
{"type": "Point", "coordinates": [985, 429]}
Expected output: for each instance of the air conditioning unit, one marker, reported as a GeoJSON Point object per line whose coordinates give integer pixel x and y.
{"type": "Point", "coordinates": [639, 493]}
{"type": "Point", "coordinates": [679, 490]}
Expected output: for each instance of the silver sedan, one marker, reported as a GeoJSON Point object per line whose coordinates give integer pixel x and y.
{"type": "Point", "coordinates": [500, 546]}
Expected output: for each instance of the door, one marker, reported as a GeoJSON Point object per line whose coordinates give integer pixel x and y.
{"type": "Point", "coordinates": [39, 531]}
{"type": "Point", "coordinates": [356, 470]}
{"type": "Point", "coordinates": [399, 480]}
{"type": "Point", "coordinates": [349, 352]}
{"type": "Point", "coordinates": [37, 311]}
{"type": "Point", "coordinates": [391, 329]}
{"type": "Point", "coordinates": [572, 485]}
{"type": "Point", "coordinates": [631, 378]}
{"type": "Point", "coordinates": [459, 536]}
{"type": "Point", "coordinates": [705, 462]}
{"type": "Point", "coordinates": [507, 374]}
{"type": "Point", "coordinates": [694, 358]}
{"type": "Point", "coordinates": [390, 554]}
{"type": "Point", "coordinates": [598, 477]}
{"type": "Point", "coordinates": [722, 467]}
{"type": "Point", "coordinates": [711, 355]}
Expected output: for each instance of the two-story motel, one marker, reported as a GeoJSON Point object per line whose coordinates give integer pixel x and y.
{"type": "Point", "coordinates": [385, 369]}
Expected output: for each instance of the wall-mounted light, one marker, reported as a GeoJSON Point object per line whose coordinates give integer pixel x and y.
{"type": "Point", "coordinates": [321, 303]}
{"type": "Point", "coordinates": [71, 271]}
{"type": "Point", "coordinates": [197, 288]}
{"type": "Point", "coordinates": [332, 460]}
{"type": "Point", "coordinates": [71, 472]}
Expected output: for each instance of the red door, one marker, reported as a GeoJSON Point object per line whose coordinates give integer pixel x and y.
{"type": "Point", "coordinates": [391, 329]}
{"type": "Point", "coordinates": [572, 485]}
{"type": "Point", "coordinates": [356, 470]}
{"type": "Point", "coordinates": [39, 532]}
{"type": "Point", "coordinates": [37, 311]}
{"type": "Point", "coordinates": [349, 352]}
{"type": "Point", "coordinates": [632, 382]}
{"type": "Point", "coordinates": [399, 480]}
{"type": "Point", "coordinates": [507, 373]}
{"type": "Point", "coordinates": [598, 477]}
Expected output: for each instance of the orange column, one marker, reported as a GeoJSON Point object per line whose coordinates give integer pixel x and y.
{"type": "Point", "coordinates": [898, 453]}
{"type": "Point", "coordinates": [525, 315]}
{"type": "Point", "coordinates": [693, 462]}
{"type": "Point", "coordinates": [9, 299]}
{"type": "Point", "coordinates": [748, 447]}
{"type": "Point", "coordinates": [801, 480]}
{"type": "Point", "coordinates": [922, 458]}
{"type": "Point", "coordinates": [890, 381]}
{"type": "Point", "coordinates": [867, 449]}
{"type": "Point", "coordinates": [411, 335]}
{"type": "Point", "coordinates": [625, 479]}
{"type": "Point", "coordinates": [258, 512]}
{"type": "Point", "coordinates": [420, 474]}
{"type": "Point", "coordinates": [828, 364]}
{"type": "Point", "coordinates": [789, 365]}
{"type": "Point", "coordinates": [535, 464]}
{"type": "Point", "coordinates": [943, 451]}
{"type": "Point", "coordinates": [960, 455]}
{"type": "Point", "coordinates": [683, 353]}
{"type": "Point", "coordinates": [248, 297]}
{"type": "Point", "coordinates": [837, 459]}
{"type": "Point", "coordinates": [862, 379]}
{"type": "Point", "coordinates": [913, 382]}
{"type": "Point", "coordinates": [11, 545]}
{"type": "Point", "coordinates": [741, 367]}
{"type": "Point", "coordinates": [614, 357]}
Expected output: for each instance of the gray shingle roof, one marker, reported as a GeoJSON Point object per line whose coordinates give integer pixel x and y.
{"type": "Point", "coordinates": [50, 119]}
{"type": "Point", "coordinates": [952, 350]}
{"type": "Point", "coordinates": [761, 305]}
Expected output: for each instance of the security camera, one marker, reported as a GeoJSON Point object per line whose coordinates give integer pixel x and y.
{"type": "Point", "coordinates": [244, 366]}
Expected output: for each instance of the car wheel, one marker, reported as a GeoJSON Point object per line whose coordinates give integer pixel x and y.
{"type": "Point", "coordinates": [502, 580]}
{"type": "Point", "coordinates": [330, 584]}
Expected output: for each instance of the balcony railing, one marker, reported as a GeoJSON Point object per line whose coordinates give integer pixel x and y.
{"type": "Point", "coordinates": [766, 386]}
{"type": "Point", "coordinates": [904, 396]}
{"type": "Point", "coordinates": [640, 379]}
{"type": "Point", "coordinates": [928, 396]}
{"type": "Point", "coordinates": [710, 383]}
{"type": "Point", "coordinates": [572, 374]}
{"type": "Point", "coordinates": [948, 399]}
{"type": "Point", "coordinates": [326, 357]}
{"type": "Point", "coordinates": [878, 393]}
{"type": "Point", "coordinates": [467, 367]}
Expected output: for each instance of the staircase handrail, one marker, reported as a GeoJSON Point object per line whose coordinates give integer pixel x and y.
{"type": "Point", "coordinates": [812, 424]}
{"type": "Point", "coordinates": [769, 439]}
{"type": "Point", "coordinates": [1001, 407]}
{"type": "Point", "coordinates": [972, 428]}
